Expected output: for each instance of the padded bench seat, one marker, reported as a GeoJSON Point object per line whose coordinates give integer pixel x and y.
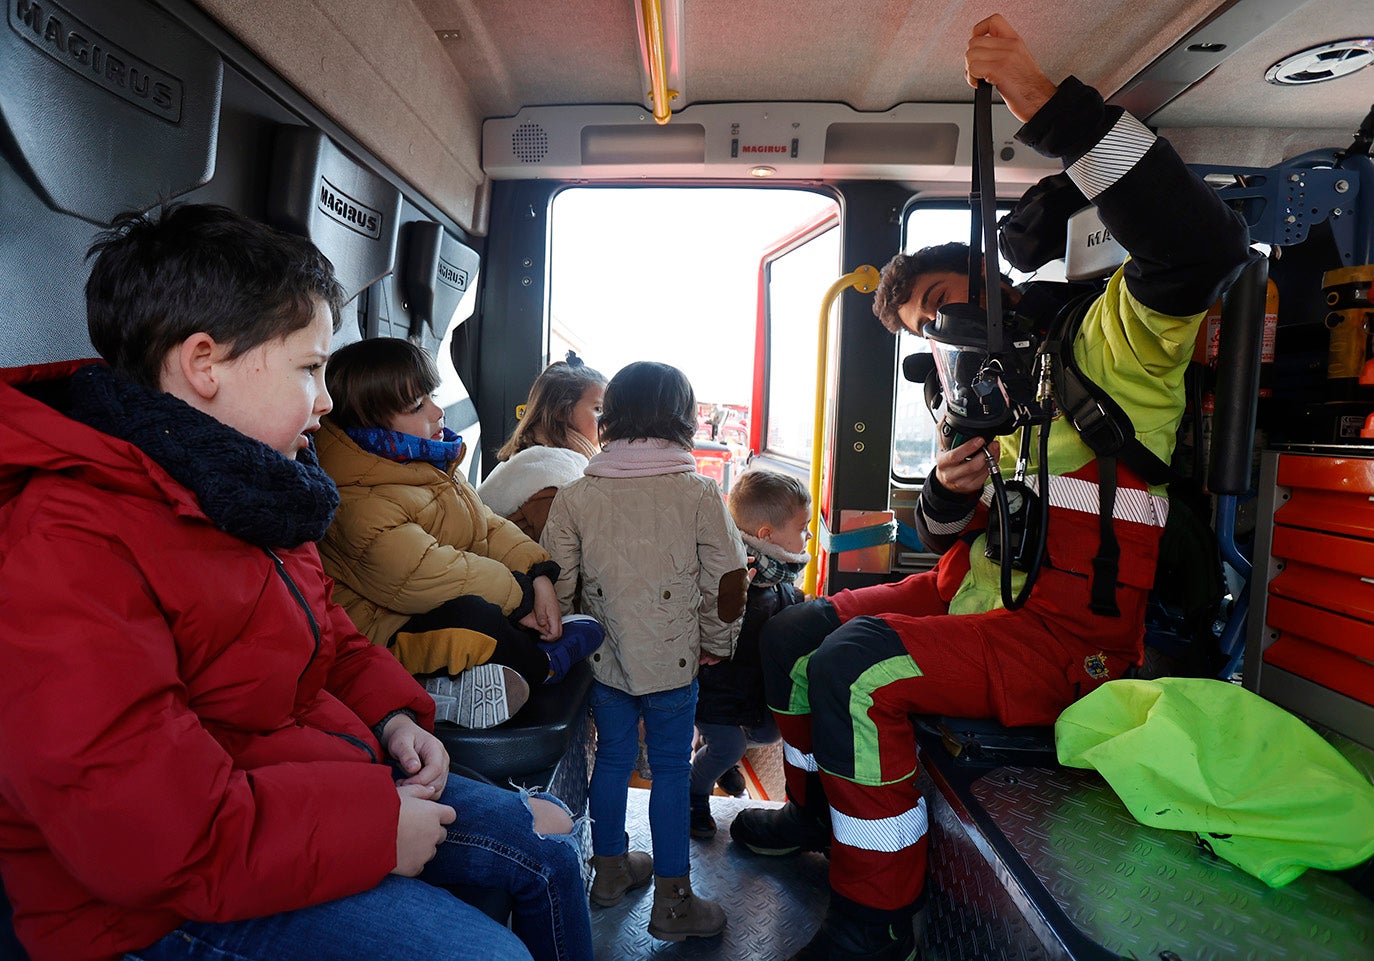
{"type": "Point", "coordinates": [527, 748]}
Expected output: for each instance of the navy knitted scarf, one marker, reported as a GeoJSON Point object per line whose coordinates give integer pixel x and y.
{"type": "Point", "coordinates": [246, 488]}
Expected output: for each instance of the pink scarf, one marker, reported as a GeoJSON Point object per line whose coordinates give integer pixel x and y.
{"type": "Point", "coordinates": [645, 457]}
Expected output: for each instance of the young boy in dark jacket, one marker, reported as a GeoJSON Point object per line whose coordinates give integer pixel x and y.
{"type": "Point", "coordinates": [773, 513]}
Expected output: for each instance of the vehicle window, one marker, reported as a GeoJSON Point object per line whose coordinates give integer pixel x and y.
{"type": "Point", "coordinates": [671, 275]}
{"type": "Point", "coordinates": [797, 279]}
{"type": "Point", "coordinates": [451, 392]}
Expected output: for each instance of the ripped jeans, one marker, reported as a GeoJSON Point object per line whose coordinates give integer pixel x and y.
{"type": "Point", "coordinates": [491, 844]}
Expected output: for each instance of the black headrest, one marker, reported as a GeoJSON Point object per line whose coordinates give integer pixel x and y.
{"type": "Point", "coordinates": [110, 107]}
{"type": "Point", "coordinates": [437, 270]}
{"type": "Point", "coordinates": [348, 211]}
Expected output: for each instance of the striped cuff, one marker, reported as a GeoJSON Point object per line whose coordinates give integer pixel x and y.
{"type": "Point", "coordinates": [941, 528]}
{"type": "Point", "coordinates": [1112, 157]}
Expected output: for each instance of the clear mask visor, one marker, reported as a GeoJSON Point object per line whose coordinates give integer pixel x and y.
{"type": "Point", "coordinates": [958, 366]}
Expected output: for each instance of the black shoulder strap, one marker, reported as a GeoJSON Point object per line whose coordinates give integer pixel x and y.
{"type": "Point", "coordinates": [1102, 423]}
{"type": "Point", "coordinates": [1106, 565]}
{"type": "Point", "coordinates": [1107, 430]}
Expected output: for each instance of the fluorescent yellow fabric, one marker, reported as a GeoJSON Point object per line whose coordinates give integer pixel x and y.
{"type": "Point", "coordinates": [1257, 785]}
{"type": "Point", "coordinates": [1137, 354]}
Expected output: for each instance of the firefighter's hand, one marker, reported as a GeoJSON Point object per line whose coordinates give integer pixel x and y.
{"type": "Point", "coordinates": [964, 469]}
{"type": "Point", "coordinates": [996, 53]}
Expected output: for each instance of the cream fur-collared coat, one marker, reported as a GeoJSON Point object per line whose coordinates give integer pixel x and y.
{"type": "Point", "coordinates": [522, 488]}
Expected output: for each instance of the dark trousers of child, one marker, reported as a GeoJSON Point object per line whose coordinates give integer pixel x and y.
{"type": "Point", "coordinates": [464, 632]}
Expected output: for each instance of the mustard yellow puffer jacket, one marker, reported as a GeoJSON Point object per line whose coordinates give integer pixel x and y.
{"type": "Point", "coordinates": [408, 537]}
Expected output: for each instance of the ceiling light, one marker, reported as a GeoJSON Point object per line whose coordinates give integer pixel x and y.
{"type": "Point", "coordinates": [1326, 62]}
{"type": "Point", "coordinates": [762, 170]}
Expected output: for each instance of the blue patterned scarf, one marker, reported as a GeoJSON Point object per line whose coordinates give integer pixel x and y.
{"type": "Point", "coordinates": [404, 448]}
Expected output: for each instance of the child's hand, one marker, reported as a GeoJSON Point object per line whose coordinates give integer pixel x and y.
{"type": "Point", "coordinates": [420, 754]}
{"type": "Point", "coordinates": [546, 617]}
{"type": "Point", "coordinates": [419, 829]}
{"type": "Point", "coordinates": [708, 659]}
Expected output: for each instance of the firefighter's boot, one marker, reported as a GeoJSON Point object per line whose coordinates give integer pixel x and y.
{"type": "Point", "coordinates": [845, 938]}
{"type": "Point", "coordinates": [779, 831]}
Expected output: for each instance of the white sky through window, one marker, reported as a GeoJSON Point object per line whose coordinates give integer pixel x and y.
{"type": "Point", "coordinates": [667, 274]}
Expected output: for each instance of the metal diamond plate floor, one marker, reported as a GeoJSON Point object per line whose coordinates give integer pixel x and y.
{"type": "Point", "coordinates": [773, 904]}
{"type": "Point", "coordinates": [1147, 893]}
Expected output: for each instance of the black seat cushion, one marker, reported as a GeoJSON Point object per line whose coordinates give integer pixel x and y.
{"type": "Point", "coordinates": [531, 742]}
{"type": "Point", "coordinates": [983, 741]}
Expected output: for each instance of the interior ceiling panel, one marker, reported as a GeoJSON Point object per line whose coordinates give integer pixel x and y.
{"type": "Point", "coordinates": [568, 51]}
{"type": "Point", "coordinates": [413, 79]}
{"type": "Point", "coordinates": [870, 54]}
{"type": "Point", "coordinates": [1236, 94]}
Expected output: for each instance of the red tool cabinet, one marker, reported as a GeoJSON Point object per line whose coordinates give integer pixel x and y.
{"type": "Point", "coordinates": [1310, 644]}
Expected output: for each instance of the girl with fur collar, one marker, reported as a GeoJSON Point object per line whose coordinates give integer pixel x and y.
{"type": "Point", "coordinates": [554, 438]}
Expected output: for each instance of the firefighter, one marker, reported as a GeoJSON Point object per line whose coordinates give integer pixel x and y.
{"type": "Point", "coordinates": [844, 674]}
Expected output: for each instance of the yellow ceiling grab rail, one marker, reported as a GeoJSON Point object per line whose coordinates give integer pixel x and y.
{"type": "Point", "coordinates": [865, 280]}
{"type": "Point", "coordinates": [658, 69]}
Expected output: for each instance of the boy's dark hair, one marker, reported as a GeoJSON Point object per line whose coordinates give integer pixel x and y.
{"type": "Point", "coordinates": [649, 399]}
{"type": "Point", "coordinates": [554, 394]}
{"type": "Point", "coordinates": [900, 273]}
{"type": "Point", "coordinates": [372, 380]}
{"type": "Point", "coordinates": [761, 498]}
{"type": "Point", "coordinates": [198, 268]}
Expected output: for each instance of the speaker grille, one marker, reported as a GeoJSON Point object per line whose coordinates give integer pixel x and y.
{"type": "Point", "coordinates": [529, 143]}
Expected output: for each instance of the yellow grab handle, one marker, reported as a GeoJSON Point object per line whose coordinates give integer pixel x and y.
{"type": "Point", "coordinates": [865, 280]}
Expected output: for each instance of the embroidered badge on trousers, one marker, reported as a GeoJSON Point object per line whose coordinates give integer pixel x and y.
{"type": "Point", "coordinates": [1096, 666]}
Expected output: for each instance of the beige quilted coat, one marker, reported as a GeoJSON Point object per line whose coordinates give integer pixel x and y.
{"type": "Point", "coordinates": [662, 567]}
{"type": "Point", "coordinates": [408, 537]}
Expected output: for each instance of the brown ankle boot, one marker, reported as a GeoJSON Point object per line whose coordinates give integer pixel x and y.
{"type": "Point", "coordinates": [679, 914]}
{"type": "Point", "coordinates": [614, 874]}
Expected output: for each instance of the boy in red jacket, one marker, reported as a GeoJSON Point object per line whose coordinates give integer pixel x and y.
{"type": "Point", "coordinates": [201, 753]}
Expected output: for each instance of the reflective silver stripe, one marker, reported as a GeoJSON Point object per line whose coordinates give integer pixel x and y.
{"type": "Point", "coordinates": [1112, 157]}
{"type": "Point", "coordinates": [807, 762]}
{"type": "Point", "coordinates": [949, 527]}
{"type": "Point", "coordinates": [884, 834]}
{"type": "Point", "coordinates": [1074, 494]}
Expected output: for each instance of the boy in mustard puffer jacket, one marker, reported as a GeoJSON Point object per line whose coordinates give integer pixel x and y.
{"type": "Point", "coordinates": [419, 563]}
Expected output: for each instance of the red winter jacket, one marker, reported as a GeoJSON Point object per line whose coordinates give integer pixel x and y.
{"type": "Point", "coordinates": [175, 743]}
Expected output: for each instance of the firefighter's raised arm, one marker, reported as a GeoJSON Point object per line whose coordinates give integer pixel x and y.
{"type": "Point", "coordinates": [996, 53]}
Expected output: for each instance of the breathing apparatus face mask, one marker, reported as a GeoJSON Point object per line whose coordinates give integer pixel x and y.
{"type": "Point", "coordinates": [984, 394]}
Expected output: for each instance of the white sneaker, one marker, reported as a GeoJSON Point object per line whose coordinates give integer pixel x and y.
{"type": "Point", "coordinates": [483, 696]}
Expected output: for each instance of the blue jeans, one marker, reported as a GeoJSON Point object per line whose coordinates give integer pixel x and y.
{"type": "Point", "coordinates": [722, 747]}
{"type": "Point", "coordinates": [491, 844]}
{"type": "Point", "coordinates": [668, 719]}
